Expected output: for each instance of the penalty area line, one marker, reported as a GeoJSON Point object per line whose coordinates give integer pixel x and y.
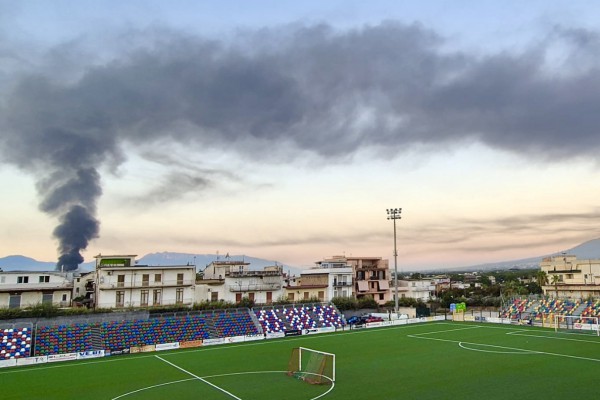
{"type": "Point", "coordinates": [199, 378]}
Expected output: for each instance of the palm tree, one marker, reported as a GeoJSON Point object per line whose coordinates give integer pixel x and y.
{"type": "Point", "coordinates": [555, 280]}
{"type": "Point", "coordinates": [541, 278]}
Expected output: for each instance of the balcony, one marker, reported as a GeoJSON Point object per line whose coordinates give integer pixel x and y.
{"type": "Point", "coordinates": [145, 284]}
{"type": "Point", "coordinates": [255, 287]}
{"type": "Point", "coordinates": [341, 283]}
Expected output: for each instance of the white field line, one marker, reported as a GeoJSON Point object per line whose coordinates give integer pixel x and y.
{"type": "Point", "coordinates": [518, 333]}
{"type": "Point", "coordinates": [512, 349]}
{"type": "Point", "coordinates": [13, 370]}
{"type": "Point", "coordinates": [445, 330]}
{"type": "Point", "coordinates": [151, 387]}
{"type": "Point", "coordinates": [197, 377]}
{"type": "Point", "coordinates": [215, 376]}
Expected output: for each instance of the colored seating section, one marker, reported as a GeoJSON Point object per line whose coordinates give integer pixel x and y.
{"type": "Point", "coordinates": [591, 309]}
{"type": "Point", "coordinates": [544, 310]}
{"type": "Point", "coordinates": [124, 334]}
{"type": "Point", "coordinates": [60, 339]}
{"type": "Point", "coordinates": [236, 323]}
{"type": "Point", "coordinates": [118, 335]}
{"type": "Point", "coordinates": [298, 317]}
{"type": "Point", "coordinates": [15, 343]}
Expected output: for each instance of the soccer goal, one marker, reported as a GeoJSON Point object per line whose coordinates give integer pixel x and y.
{"type": "Point", "coordinates": [576, 324]}
{"type": "Point", "coordinates": [312, 366]}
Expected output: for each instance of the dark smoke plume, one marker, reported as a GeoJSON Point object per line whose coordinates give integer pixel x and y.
{"type": "Point", "coordinates": [390, 88]}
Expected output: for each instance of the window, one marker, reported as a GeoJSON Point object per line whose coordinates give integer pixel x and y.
{"type": "Point", "coordinates": [120, 298]}
{"type": "Point", "coordinates": [214, 296]}
{"type": "Point", "coordinates": [179, 296]}
{"type": "Point", "coordinates": [22, 279]}
{"type": "Point", "coordinates": [251, 296]}
{"type": "Point", "coordinates": [321, 295]}
{"type": "Point", "coordinates": [144, 297]}
{"type": "Point", "coordinates": [380, 296]}
{"type": "Point", "coordinates": [157, 278]}
{"type": "Point", "coordinates": [180, 279]}
{"type": "Point", "coordinates": [291, 296]}
{"type": "Point", "coordinates": [120, 280]}
{"type": "Point", "coordinates": [146, 282]}
{"type": "Point", "coordinates": [156, 297]}
{"type": "Point", "coordinates": [64, 297]}
{"type": "Point", "coordinates": [269, 297]}
{"type": "Point", "coordinates": [306, 296]}
{"type": "Point", "coordinates": [44, 278]}
{"type": "Point", "coordinates": [46, 298]}
{"type": "Point", "coordinates": [238, 297]}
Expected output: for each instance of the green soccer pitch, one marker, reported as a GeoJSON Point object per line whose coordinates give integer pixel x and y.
{"type": "Point", "coordinates": [442, 360]}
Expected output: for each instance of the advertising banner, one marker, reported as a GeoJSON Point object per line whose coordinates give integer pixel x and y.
{"type": "Point", "coordinates": [210, 342]}
{"type": "Point", "coordinates": [190, 343]}
{"type": "Point", "coordinates": [167, 346]}
{"type": "Point", "coordinates": [8, 363]}
{"type": "Point", "coordinates": [275, 335]}
{"type": "Point", "coordinates": [32, 360]}
{"type": "Point", "coordinates": [82, 355]}
{"type": "Point", "coordinates": [62, 357]}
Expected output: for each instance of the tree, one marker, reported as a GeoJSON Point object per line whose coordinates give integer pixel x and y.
{"type": "Point", "coordinates": [555, 280]}
{"type": "Point", "coordinates": [541, 277]}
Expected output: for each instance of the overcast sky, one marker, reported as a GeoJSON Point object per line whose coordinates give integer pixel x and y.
{"type": "Point", "coordinates": [284, 130]}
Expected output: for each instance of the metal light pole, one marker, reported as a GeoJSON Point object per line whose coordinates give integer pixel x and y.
{"type": "Point", "coordinates": [394, 214]}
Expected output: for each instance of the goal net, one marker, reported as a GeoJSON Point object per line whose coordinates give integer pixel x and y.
{"type": "Point", "coordinates": [576, 324]}
{"type": "Point", "coordinates": [312, 366]}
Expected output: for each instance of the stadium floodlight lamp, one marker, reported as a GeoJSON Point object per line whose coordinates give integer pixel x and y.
{"type": "Point", "coordinates": [394, 214]}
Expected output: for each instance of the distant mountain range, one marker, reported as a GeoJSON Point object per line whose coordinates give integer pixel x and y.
{"type": "Point", "coordinates": [22, 263]}
{"type": "Point", "coordinates": [584, 251]}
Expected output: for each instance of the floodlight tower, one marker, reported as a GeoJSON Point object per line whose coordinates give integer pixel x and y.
{"type": "Point", "coordinates": [394, 214]}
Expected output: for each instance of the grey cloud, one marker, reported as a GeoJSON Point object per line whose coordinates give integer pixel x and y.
{"type": "Point", "coordinates": [305, 88]}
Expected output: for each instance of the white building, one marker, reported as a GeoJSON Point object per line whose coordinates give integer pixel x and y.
{"type": "Point", "coordinates": [420, 289]}
{"type": "Point", "coordinates": [231, 281]}
{"type": "Point", "coordinates": [27, 288]}
{"type": "Point", "coordinates": [335, 273]}
{"type": "Point", "coordinates": [121, 282]}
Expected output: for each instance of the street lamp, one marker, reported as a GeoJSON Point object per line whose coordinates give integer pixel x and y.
{"type": "Point", "coordinates": [394, 214]}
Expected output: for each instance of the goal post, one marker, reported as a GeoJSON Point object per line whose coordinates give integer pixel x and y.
{"type": "Point", "coordinates": [576, 324]}
{"type": "Point", "coordinates": [312, 366]}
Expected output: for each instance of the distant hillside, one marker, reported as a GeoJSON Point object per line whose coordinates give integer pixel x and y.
{"type": "Point", "coordinates": [22, 263]}
{"type": "Point", "coordinates": [585, 251]}
{"type": "Point", "coordinates": [203, 260]}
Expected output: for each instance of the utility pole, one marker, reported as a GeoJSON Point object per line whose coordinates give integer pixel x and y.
{"type": "Point", "coordinates": [394, 214]}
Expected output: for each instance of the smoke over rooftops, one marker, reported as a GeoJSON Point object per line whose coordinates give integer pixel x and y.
{"type": "Point", "coordinates": [388, 87]}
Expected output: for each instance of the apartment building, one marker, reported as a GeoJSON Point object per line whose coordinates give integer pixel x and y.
{"type": "Point", "coordinates": [569, 277]}
{"type": "Point", "coordinates": [230, 281]}
{"type": "Point", "coordinates": [27, 288]}
{"type": "Point", "coordinates": [120, 282]}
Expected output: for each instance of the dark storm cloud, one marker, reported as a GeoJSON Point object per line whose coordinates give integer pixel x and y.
{"type": "Point", "coordinates": [298, 88]}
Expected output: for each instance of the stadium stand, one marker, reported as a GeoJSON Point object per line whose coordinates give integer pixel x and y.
{"type": "Point", "coordinates": [15, 343]}
{"type": "Point", "coordinates": [52, 337]}
{"type": "Point", "coordinates": [59, 339]}
{"type": "Point", "coordinates": [235, 323]}
{"type": "Point", "coordinates": [270, 321]}
{"type": "Point", "coordinates": [298, 317]}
